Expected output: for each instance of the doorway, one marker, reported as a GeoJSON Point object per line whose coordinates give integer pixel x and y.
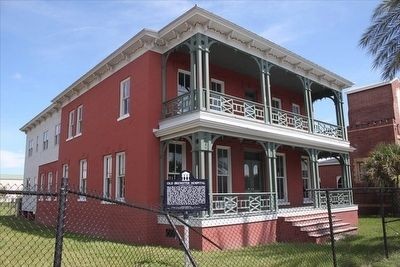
{"type": "Point", "coordinates": [252, 168]}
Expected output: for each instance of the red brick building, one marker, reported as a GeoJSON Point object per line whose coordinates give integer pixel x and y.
{"type": "Point", "coordinates": [206, 95]}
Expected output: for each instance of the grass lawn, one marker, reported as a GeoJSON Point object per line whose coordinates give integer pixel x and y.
{"type": "Point", "coordinates": [24, 243]}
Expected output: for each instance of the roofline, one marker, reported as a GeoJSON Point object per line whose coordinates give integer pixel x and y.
{"type": "Point", "coordinates": [47, 112]}
{"type": "Point", "coordinates": [353, 90]}
{"type": "Point", "coordinates": [145, 35]}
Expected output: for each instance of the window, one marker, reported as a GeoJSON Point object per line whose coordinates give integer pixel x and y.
{"type": "Point", "coordinates": [276, 103]}
{"type": "Point", "coordinates": [120, 176]}
{"type": "Point", "coordinates": [79, 117]}
{"type": "Point", "coordinates": [125, 88]}
{"type": "Point", "coordinates": [49, 184]}
{"type": "Point", "coordinates": [45, 140]}
{"type": "Point", "coordinates": [183, 82]}
{"type": "Point", "coordinates": [37, 143]}
{"type": "Point", "coordinates": [83, 175]}
{"type": "Point", "coordinates": [339, 182]}
{"type": "Point", "coordinates": [224, 178]}
{"type": "Point", "coordinates": [30, 148]}
{"type": "Point", "coordinates": [176, 159]}
{"type": "Point", "coordinates": [65, 171]}
{"type": "Point", "coordinates": [281, 178]}
{"type": "Point", "coordinates": [295, 109]}
{"type": "Point", "coordinates": [57, 134]}
{"type": "Point", "coordinates": [217, 86]}
{"type": "Point", "coordinates": [107, 176]}
{"type": "Point", "coordinates": [71, 123]}
{"type": "Point", "coordinates": [41, 185]}
{"type": "Point", "coordinates": [305, 174]}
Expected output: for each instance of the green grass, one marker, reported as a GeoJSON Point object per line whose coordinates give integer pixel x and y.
{"type": "Point", "coordinates": [24, 243]}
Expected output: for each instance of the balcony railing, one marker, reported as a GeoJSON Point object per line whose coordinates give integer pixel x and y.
{"type": "Point", "coordinates": [340, 198]}
{"type": "Point", "coordinates": [289, 119]}
{"type": "Point", "coordinates": [328, 129]}
{"type": "Point", "coordinates": [180, 105]}
{"type": "Point", "coordinates": [246, 109]}
{"type": "Point", "coordinates": [236, 106]}
{"type": "Point", "coordinates": [238, 203]}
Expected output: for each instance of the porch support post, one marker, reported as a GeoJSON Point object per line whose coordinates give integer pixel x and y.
{"type": "Point", "coordinates": [313, 153]}
{"type": "Point", "coordinates": [202, 145]}
{"type": "Point", "coordinates": [338, 99]}
{"type": "Point", "coordinates": [265, 67]}
{"type": "Point", "coordinates": [163, 149]}
{"type": "Point", "coordinates": [193, 69]}
{"type": "Point", "coordinates": [207, 70]}
{"type": "Point", "coordinates": [346, 174]}
{"type": "Point", "coordinates": [199, 59]}
{"type": "Point", "coordinates": [308, 102]}
{"type": "Point", "coordinates": [270, 153]}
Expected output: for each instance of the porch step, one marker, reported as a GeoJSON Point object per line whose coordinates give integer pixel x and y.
{"type": "Point", "coordinates": [311, 228]}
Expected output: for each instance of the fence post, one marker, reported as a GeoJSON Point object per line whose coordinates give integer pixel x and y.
{"type": "Point", "coordinates": [383, 223]}
{"type": "Point", "coordinates": [328, 205]}
{"type": "Point", "coordinates": [60, 222]}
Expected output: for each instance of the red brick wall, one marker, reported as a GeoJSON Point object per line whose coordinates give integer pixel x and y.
{"type": "Point", "coordinates": [328, 175]}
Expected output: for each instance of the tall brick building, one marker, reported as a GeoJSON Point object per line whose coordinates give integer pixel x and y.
{"type": "Point", "coordinates": [374, 117]}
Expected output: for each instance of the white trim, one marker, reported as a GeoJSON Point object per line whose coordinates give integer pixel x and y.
{"type": "Point", "coordinates": [122, 103]}
{"type": "Point", "coordinates": [221, 220]}
{"type": "Point", "coordinates": [229, 178]}
{"type": "Point", "coordinates": [241, 128]}
{"type": "Point", "coordinates": [185, 72]}
{"type": "Point", "coordinates": [71, 124]}
{"type": "Point", "coordinates": [353, 90]}
{"type": "Point", "coordinates": [105, 176]}
{"type": "Point", "coordinates": [123, 117]}
{"type": "Point", "coordinates": [79, 121]}
{"type": "Point", "coordinates": [118, 174]}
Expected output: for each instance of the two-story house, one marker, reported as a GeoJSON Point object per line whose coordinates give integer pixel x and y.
{"type": "Point", "coordinates": [206, 95]}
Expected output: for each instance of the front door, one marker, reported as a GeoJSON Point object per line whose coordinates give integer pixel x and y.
{"type": "Point", "coordinates": [252, 172]}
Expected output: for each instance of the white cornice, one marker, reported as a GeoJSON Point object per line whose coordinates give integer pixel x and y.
{"type": "Point", "coordinates": [353, 90]}
{"type": "Point", "coordinates": [198, 20]}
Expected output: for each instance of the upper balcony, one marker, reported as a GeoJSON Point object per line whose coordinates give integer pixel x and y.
{"type": "Point", "coordinates": [242, 90]}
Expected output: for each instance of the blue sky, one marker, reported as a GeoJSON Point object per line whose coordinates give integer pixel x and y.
{"type": "Point", "coordinates": [46, 45]}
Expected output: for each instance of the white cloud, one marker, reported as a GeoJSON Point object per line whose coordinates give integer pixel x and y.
{"type": "Point", "coordinates": [9, 159]}
{"type": "Point", "coordinates": [17, 76]}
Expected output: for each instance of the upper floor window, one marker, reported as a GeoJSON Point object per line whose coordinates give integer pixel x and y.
{"type": "Point", "coordinates": [120, 176]}
{"type": "Point", "coordinates": [65, 171]}
{"type": "Point", "coordinates": [37, 143]}
{"type": "Point", "coordinates": [83, 175]}
{"type": "Point", "coordinates": [107, 176]}
{"type": "Point", "coordinates": [276, 103]}
{"type": "Point", "coordinates": [183, 82]}
{"type": "Point", "coordinates": [71, 124]}
{"type": "Point", "coordinates": [295, 109]}
{"type": "Point", "coordinates": [79, 117]}
{"type": "Point", "coordinates": [124, 104]}
{"type": "Point", "coordinates": [45, 140]}
{"type": "Point", "coordinates": [57, 131]}
{"type": "Point", "coordinates": [30, 148]}
{"type": "Point", "coordinates": [217, 86]}
{"type": "Point", "coordinates": [176, 159]}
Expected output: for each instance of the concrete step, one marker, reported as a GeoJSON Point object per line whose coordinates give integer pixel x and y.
{"type": "Point", "coordinates": [323, 226]}
{"type": "Point", "coordinates": [326, 232]}
{"type": "Point", "coordinates": [314, 222]}
{"type": "Point", "coordinates": [306, 217]}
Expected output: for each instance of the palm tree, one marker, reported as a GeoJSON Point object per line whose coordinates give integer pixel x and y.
{"type": "Point", "coordinates": [382, 38]}
{"type": "Point", "coordinates": [383, 166]}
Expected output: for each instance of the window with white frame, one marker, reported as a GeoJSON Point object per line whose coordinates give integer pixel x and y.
{"type": "Point", "coordinates": [176, 159]}
{"type": "Point", "coordinates": [65, 171]}
{"type": "Point", "coordinates": [71, 124]}
{"type": "Point", "coordinates": [83, 175]}
{"type": "Point", "coordinates": [217, 86]}
{"type": "Point", "coordinates": [28, 184]}
{"type": "Point", "coordinates": [49, 184]}
{"type": "Point", "coordinates": [125, 92]}
{"type": "Point", "coordinates": [305, 174]}
{"type": "Point", "coordinates": [57, 132]}
{"type": "Point", "coordinates": [276, 103]}
{"type": "Point", "coordinates": [37, 143]}
{"type": "Point", "coordinates": [45, 140]}
{"type": "Point", "coordinates": [79, 118]}
{"type": "Point", "coordinates": [281, 178]}
{"type": "Point", "coordinates": [295, 108]}
{"type": "Point", "coordinates": [107, 176]}
{"type": "Point", "coordinates": [56, 185]}
{"type": "Point", "coordinates": [42, 176]}
{"type": "Point", "coordinates": [120, 176]}
{"type": "Point", "coordinates": [339, 181]}
{"type": "Point", "coordinates": [30, 148]}
{"type": "Point", "coordinates": [183, 82]}
{"type": "Point", "coordinates": [224, 177]}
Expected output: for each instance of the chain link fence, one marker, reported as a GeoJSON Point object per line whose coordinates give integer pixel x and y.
{"type": "Point", "coordinates": [70, 228]}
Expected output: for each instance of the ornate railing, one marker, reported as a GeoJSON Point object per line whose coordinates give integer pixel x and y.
{"type": "Point", "coordinates": [236, 106]}
{"type": "Point", "coordinates": [339, 198]}
{"type": "Point", "coordinates": [328, 129]}
{"type": "Point", "coordinates": [289, 119]}
{"type": "Point", "coordinates": [236, 203]}
{"type": "Point", "coordinates": [180, 105]}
